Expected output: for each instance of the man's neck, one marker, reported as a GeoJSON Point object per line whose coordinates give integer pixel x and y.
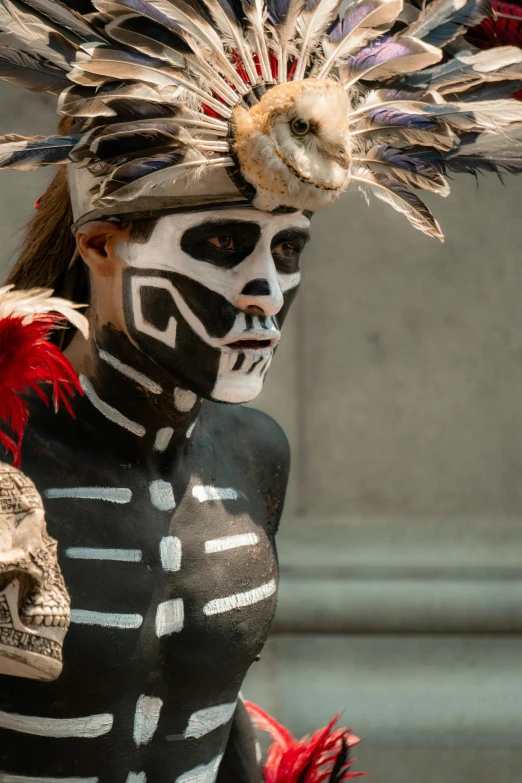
{"type": "Point", "coordinates": [131, 391]}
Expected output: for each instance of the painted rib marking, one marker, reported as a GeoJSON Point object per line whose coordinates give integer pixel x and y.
{"type": "Point", "coordinates": [231, 542]}
{"type": "Point", "coordinates": [6, 778]}
{"type": "Point", "coordinates": [184, 400]}
{"type": "Point", "coordinates": [205, 493]}
{"type": "Point", "coordinates": [162, 495]}
{"type": "Point", "coordinates": [170, 553]}
{"type": "Point", "coordinates": [204, 721]}
{"type": "Point", "coordinates": [86, 553]}
{"type": "Point", "coordinates": [204, 773]}
{"type": "Point", "coordinates": [108, 411]}
{"type": "Point", "coordinates": [88, 727]}
{"type": "Point", "coordinates": [163, 438]}
{"type": "Point", "coordinates": [146, 719]}
{"type": "Point", "coordinates": [130, 372]}
{"type": "Point", "coordinates": [106, 619]}
{"type": "Point", "coordinates": [239, 600]}
{"type": "Point", "coordinates": [110, 494]}
{"type": "Point", "coordinates": [170, 617]}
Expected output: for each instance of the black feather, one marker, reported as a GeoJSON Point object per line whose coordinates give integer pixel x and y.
{"type": "Point", "coordinates": [134, 138]}
{"type": "Point", "coordinates": [29, 71]}
{"type": "Point", "coordinates": [129, 172]}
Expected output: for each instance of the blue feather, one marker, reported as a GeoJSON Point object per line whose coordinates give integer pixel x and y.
{"type": "Point", "coordinates": [470, 15]}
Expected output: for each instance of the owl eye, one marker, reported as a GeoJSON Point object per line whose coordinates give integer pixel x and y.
{"type": "Point", "coordinates": [300, 127]}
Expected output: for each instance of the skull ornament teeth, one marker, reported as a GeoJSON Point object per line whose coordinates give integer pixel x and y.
{"type": "Point", "coordinates": [34, 603]}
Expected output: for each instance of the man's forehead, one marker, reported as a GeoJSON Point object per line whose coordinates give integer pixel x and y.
{"type": "Point", "coordinates": [179, 223]}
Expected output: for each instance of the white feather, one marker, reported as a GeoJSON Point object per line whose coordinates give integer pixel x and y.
{"type": "Point", "coordinates": [39, 301]}
{"type": "Point", "coordinates": [311, 26]}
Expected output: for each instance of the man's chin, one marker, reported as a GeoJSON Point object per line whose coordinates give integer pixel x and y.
{"type": "Point", "coordinates": [236, 390]}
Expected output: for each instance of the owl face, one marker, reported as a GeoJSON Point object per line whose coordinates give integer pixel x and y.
{"type": "Point", "coordinates": [294, 146]}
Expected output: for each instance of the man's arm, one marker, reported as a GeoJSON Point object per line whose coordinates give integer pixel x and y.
{"type": "Point", "coordinates": [240, 763]}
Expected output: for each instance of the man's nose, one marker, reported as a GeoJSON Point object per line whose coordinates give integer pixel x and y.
{"type": "Point", "coordinates": [261, 296]}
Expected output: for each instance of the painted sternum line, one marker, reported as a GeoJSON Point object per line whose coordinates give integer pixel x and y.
{"type": "Point", "coordinates": [162, 495]}
{"type": "Point", "coordinates": [170, 617]}
{"type": "Point", "coordinates": [206, 720]}
{"type": "Point", "coordinates": [191, 429]}
{"type": "Point", "coordinates": [108, 411]}
{"type": "Point", "coordinates": [240, 600]}
{"type": "Point", "coordinates": [163, 438]}
{"type": "Point", "coordinates": [133, 777]}
{"type": "Point", "coordinates": [146, 719]}
{"type": "Point", "coordinates": [86, 553]}
{"type": "Point", "coordinates": [130, 372]}
{"type": "Point", "coordinates": [204, 773]}
{"type": "Point", "coordinates": [106, 619]}
{"type": "Point", "coordinates": [170, 553]}
{"type": "Point", "coordinates": [87, 727]}
{"type": "Point", "coordinates": [206, 493]}
{"type": "Point", "coordinates": [110, 494]}
{"type": "Point", "coordinates": [6, 778]}
{"type": "Point", "coordinates": [231, 542]}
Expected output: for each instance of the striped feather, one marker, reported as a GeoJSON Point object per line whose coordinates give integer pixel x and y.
{"type": "Point", "coordinates": [137, 169]}
{"type": "Point", "coordinates": [24, 154]}
{"type": "Point", "coordinates": [405, 168]}
{"type": "Point", "coordinates": [402, 200]}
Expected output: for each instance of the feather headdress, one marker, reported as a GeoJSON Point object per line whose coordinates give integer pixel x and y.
{"type": "Point", "coordinates": [294, 99]}
{"type": "Point", "coordinates": [322, 758]}
{"type": "Point", "coordinates": [28, 358]}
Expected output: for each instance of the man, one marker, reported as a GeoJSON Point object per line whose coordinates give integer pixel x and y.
{"type": "Point", "coordinates": [200, 143]}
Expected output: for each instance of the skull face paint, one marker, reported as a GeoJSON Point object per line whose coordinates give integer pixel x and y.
{"type": "Point", "coordinates": [206, 296]}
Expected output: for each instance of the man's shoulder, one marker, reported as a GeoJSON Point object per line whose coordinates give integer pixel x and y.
{"type": "Point", "coordinates": [253, 432]}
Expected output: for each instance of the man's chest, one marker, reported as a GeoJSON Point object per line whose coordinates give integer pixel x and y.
{"type": "Point", "coordinates": [172, 572]}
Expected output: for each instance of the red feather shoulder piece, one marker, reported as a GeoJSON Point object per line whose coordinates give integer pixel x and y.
{"type": "Point", "coordinates": [29, 359]}
{"type": "Point", "coordinates": [324, 757]}
{"type": "Point", "coordinates": [504, 28]}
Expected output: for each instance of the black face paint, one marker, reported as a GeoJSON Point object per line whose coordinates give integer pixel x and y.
{"type": "Point", "coordinates": [257, 288]}
{"type": "Point", "coordinates": [235, 241]}
{"type": "Point", "coordinates": [191, 360]}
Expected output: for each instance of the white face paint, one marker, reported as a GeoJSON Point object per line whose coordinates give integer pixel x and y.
{"type": "Point", "coordinates": [207, 294]}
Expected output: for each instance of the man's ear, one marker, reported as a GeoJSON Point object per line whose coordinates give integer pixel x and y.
{"type": "Point", "coordinates": [97, 244]}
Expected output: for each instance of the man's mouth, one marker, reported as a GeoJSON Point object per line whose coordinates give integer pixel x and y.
{"type": "Point", "coordinates": [243, 345]}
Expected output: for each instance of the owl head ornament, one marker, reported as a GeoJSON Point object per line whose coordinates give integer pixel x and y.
{"type": "Point", "coordinates": [281, 104]}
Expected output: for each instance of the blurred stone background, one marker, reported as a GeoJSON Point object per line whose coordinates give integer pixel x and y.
{"type": "Point", "coordinates": [399, 384]}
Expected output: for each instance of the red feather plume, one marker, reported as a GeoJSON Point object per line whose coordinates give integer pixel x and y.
{"type": "Point", "coordinates": [28, 358]}
{"type": "Point", "coordinates": [322, 758]}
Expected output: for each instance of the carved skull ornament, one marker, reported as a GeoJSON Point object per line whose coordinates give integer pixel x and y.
{"type": "Point", "coordinates": [34, 603]}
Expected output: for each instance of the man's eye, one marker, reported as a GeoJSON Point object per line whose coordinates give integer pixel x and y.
{"type": "Point", "coordinates": [286, 250]}
{"type": "Point", "coordinates": [222, 242]}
